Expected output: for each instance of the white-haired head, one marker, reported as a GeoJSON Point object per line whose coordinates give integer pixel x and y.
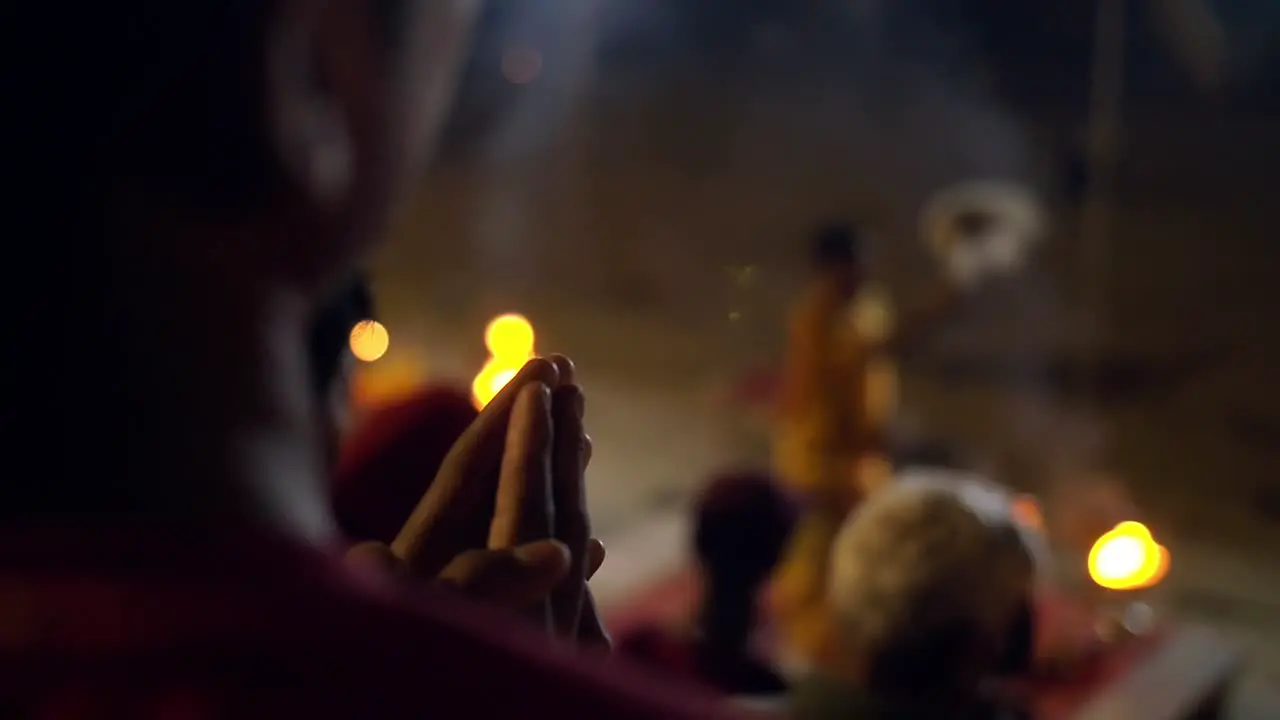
{"type": "Point", "coordinates": [928, 577]}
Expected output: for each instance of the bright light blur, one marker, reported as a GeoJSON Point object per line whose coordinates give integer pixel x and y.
{"type": "Point", "coordinates": [873, 314]}
{"type": "Point", "coordinates": [489, 382]}
{"type": "Point", "coordinates": [391, 380]}
{"type": "Point", "coordinates": [369, 340]}
{"type": "Point", "coordinates": [510, 339]}
{"type": "Point", "coordinates": [510, 336]}
{"type": "Point", "coordinates": [1128, 558]}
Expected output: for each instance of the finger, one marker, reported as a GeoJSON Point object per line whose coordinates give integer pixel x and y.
{"type": "Point", "coordinates": [572, 525]}
{"type": "Point", "coordinates": [565, 368]}
{"type": "Point", "coordinates": [595, 556]}
{"type": "Point", "coordinates": [523, 511]}
{"type": "Point", "coordinates": [375, 558]}
{"type": "Point", "coordinates": [514, 578]}
{"type": "Point", "coordinates": [454, 514]}
{"type": "Point", "coordinates": [591, 629]}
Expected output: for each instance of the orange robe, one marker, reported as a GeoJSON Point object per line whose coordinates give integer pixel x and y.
{"type": "Point", "coordinates": [821, 434]}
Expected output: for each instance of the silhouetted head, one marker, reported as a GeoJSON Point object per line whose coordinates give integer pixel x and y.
{"type": "Point", "coordinates": [742, 523]}
{"type": "Point", "coordinates": [837, 256]}
{"type": "Point", "coordinates": [197, 177]}
{"type": "Point", "coordinates": [331, 360]}
{"type": "Point", "coordinates": [389, 460]}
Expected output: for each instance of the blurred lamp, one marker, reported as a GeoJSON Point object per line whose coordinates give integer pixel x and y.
{"type": "Point", "coordinates": [369, 340]}
{"type": "Point", "coordinates": [1128, 558]}
{"type": "Point", "coordinates": [510, 340]}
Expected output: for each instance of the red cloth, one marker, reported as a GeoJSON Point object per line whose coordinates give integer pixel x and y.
{"type": "Point", "coordinates": [149, 625]}
{"type": "Point", "coordinates": [655, 646]}
{"type": "Point", "coordinates": [389, 461]}
{"type": "Point", "coordinates": [675, 654]}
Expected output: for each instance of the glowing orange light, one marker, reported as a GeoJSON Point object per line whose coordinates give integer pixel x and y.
{"type": "Point", "coordinates": [1128, 558]}
{"type": "Point", "coordinates": [369, 340]}
{"type": "Point", "coordinates": [510, 340]}
{"type": "Point", "coordinates": [1026, 511]}
{"type": "Point", "coordinates": [393, 379]}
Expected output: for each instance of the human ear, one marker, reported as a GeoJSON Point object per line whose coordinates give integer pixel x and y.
{"type": "Point", "coordinates": [309, 120]}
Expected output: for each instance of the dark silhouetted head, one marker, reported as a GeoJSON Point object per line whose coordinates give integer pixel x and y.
{"type": "Point", "coordinates": [742, 524]}
{"type": "Point", "coordinates": [191, 172]}
{"type": "Point", "coordinates": [837, 256]}
{"type": "Point", "coordinates": [388, 461]}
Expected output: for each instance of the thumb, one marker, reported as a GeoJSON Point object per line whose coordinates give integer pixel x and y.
{"type": "Point", "coordinates": [513, 578]}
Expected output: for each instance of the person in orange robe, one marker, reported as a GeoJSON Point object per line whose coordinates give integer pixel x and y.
{"type": "Point", "coordinates": [824, 429]}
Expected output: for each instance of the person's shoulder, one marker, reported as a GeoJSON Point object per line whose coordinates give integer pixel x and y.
{"type": "Point", "coordinates": [296, 636]}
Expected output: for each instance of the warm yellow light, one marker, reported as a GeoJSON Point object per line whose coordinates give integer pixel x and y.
{"type": "Point", "coordinates": [393, 378]}
{"type": "Point", "coordinates": [873, 314]}
{"type": "Point", "coordinates": [490, 381]}
{"type": "Point", "coordinates": [369, 340]}
{"type": "Point", "coordinates": [510, 340]}
{"type": "Point", "coordinates": [1128, 558]}
{"type": "Point", "coordinates": [509, 336]}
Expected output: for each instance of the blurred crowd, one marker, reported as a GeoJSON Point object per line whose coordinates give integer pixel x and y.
{"type": "Point", "coordinates": [201, 532]}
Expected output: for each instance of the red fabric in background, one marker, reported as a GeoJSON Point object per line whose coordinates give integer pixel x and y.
{"type": "Point", "coordinates": [389, 461]}
{"type": "Point", "coordinates": [157, 624]}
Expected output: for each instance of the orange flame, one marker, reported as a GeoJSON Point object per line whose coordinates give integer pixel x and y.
{"type": "Point", "coordinates": [1128, 558]}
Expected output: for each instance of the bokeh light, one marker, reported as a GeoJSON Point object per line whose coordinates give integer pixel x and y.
{"type": "Point", "coordinates": [1128, 558]}
{"type": "Point", "coordinates": [369, 340]}
{"type": "Point", "coordinates": [873, 314]}
{"type": "Point", "coordinates": [489, 382]}
{"type": "Point", "coordinates": [510, 340]}
{"type": "Point", "coordinates": [1026, 512]}
{"type": "Point", "coordinates": [510, 336]}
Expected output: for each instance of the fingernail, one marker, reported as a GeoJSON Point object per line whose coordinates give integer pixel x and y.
{"type": "Point", "coordinates": [539, 392]}
{"type": "Point", "coordinates": [542, 552]}
{"type": "Point", "coordinates": [596, 554]}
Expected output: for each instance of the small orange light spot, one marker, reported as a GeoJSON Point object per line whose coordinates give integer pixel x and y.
{"type": "Point", "coordinates": [369, 340]}
{"type": "Point", "coordinates": [1026, 512]}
